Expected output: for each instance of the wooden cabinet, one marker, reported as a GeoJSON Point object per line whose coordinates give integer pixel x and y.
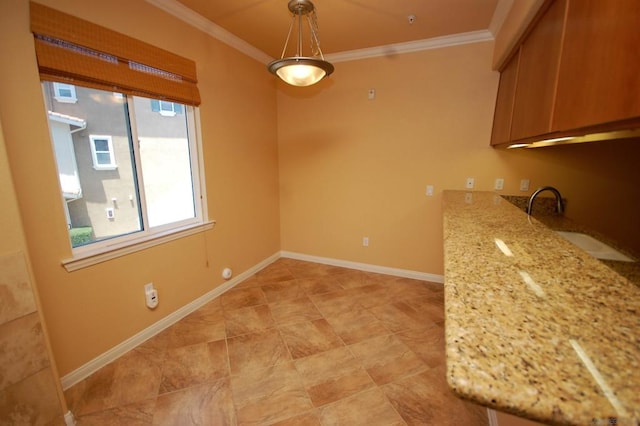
{"type": "Point", "coordinates": [539, 59]}
{"type": "Point", "coordinates": [599, 79]}
{"type": "Point", "coordinates": [575, 71]}
{"type": "Point", "coordinates": [501, 132]}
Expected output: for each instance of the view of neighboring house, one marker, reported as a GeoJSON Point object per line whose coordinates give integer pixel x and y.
{"type": "Point", "coordinates": [102, 188]}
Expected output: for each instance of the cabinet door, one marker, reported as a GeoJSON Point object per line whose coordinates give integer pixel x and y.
{"type": "Point", "coordinates": [599, 80]}
{"type": "Point", "coordinates": [501, 132]}
{"type": "Point", "coordinates": [539, 59]}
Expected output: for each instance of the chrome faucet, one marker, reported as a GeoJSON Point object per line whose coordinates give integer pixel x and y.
{"type": "Point", "coordinates": [559, 202]}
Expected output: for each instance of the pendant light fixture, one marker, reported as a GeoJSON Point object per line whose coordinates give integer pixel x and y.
{"type": "Point", "coordinates": [299, 70]}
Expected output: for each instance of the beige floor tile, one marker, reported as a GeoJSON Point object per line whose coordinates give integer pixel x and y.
{"type": "Point", "coordinates": [242, 298]}
{"type": "Point", "coordinates": [333, 375]}
{"type": "Point", "coordinates": [269, 395]}
{"type": "Point", "coordinates": [371, 295]}
{"type": "Point", "coordinates": [198, 327]}
{"type": "Point", "coordinates": [309, 337]}
{"type": "Point", "coordinates": [275, 273]}
{"type": "Point", "coordinates": [207, 404]}
{"type": "Point", "coordinates": [188, 366]}
{"type": "Point", "coordinates": [256, 351]}
{"type": "Point", "coordinates": [136, 414]}
{"type": "Point", "coordinates": [283, 290]}
{"type": "Point", "coordinates": [366, 408]}
{"type": "Point", "coordinates": [320, 285]}
{"type": "Point", "coordinates": [335, 303]}
{"type": "Point", "coordinates": [427, 309]}
{"type": "Point", "coordinates": [292, 311]}
{"type": "Point", "coordinates": [357, 325]}
{"type": "Point", "coordinates": [137, 375]}
{"type": "Point", "coordinates": [387, 359]}
{"type": "Point", "coordinates": [307, 419]}
{"type": "Point", "coordinates": [399, 316]}
{"type": "Point", "coordinates": [248, 320]}
{"type": "Point", "coordinates": [350, 278]}
{"type": "Point", "coordinates": [427, 343]}
{"type": "Point", "coordinates": [425, 399]}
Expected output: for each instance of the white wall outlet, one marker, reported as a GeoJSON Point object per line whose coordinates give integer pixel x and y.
{"type": "Point", "coordinates": [150, 296]}
{"type": "Point", "coordinates": [470, 182]}
{"type": "Point", "coordinates": [499, 184]}
{"type": "Point", "coordinates": [429, 191]}
{"type": "Point", "coordinates": [524, 185]}
{"type": "Point", "coordinates": [371, 94]}
{"type": "Point", "coordinates": [365, 241]}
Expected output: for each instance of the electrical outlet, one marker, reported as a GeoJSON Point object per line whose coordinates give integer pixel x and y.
{"type": "Point", "coordinates": [429, 190]}
{"type": "Point", "coordinates": [148, 287]}
{"type": "Point", "coordinates": [499, 184]}
{"type": "Point", "coordinates": [524, 185]}
{"type": "Point", "coordinates": [470, 182]}
{"type": "Point", "coordinates": [365, 241]}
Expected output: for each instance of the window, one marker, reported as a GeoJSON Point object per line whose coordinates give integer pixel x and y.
{"type": "Point", "coordinates": [102, 152]}
{"type": "Point", "coordinates": [155, 186]}
{"type": "Point", "coordinates": [153, 193]}
{"type": "Point", "coordinates": [65, 93]}
{"type": "Point", "coordinates": [167, 109]}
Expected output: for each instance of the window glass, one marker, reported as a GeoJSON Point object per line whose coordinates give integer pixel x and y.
{"type": "Point", "coordinates": [152, 187]}
{"type": "Point", "coordinates": [165, 155]}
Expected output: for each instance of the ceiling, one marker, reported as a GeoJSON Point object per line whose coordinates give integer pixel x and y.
{"type": "Point", "coordinates": [346, 25]}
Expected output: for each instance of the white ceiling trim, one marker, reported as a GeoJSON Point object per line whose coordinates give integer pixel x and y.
{"type": "Point", "coordinates": [198, 21]}
{"type": "Point", "coordinates": [412, 46]}
{"type": "Point", "coordinates": [180, 11]}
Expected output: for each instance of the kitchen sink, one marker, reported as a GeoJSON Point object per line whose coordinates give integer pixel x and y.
{"type": "Point", "coordinates": [594, 247]}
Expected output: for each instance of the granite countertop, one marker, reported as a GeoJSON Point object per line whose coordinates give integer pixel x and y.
{"type": "Point", "coordinates": [535, 326]}
{"type": "Point", "coordinates": [544, 211]}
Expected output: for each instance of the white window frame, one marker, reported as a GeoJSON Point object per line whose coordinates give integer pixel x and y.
{"type": "Point", "coordinates": [57, 95]}
{"type": "Point", "coordinates": [91, 254]}
{"type": "Point", "coordinates": [94, 153]}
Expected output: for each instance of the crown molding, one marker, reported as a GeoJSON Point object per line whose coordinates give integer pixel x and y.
{"type": "Point", "coordinates": [180, 11]}
{"type": "Point", "coordinates": [412, 46]}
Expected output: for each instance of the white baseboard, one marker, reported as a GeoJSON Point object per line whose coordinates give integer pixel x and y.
{"type": "Point", "coordinates": [69, 419]}
{"type": "Point", "coordinates": [493, 418]}
{"type": "Point", "coordinates": [117, 351]}
{"type": "Point", "coordinates": [366, 267]}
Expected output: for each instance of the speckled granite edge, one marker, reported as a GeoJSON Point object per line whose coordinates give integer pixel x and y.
{"type": "Point", "coordinates": [521, 321]}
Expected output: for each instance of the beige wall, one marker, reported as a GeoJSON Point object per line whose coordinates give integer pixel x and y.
{"type": "Point", "coordinates": [352, 167]}
{"type": "Point", "coordinates": [94, 309]}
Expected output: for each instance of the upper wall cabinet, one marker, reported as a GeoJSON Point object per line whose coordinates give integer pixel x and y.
{"type": "Point", "coordinates": [575, 70]}
{"type": "Point", "coordinates": [501, 132]}
{"type": "Point", "coordinates": [599, 79]}
{"type": "Point", "coordinates": [539, 58]}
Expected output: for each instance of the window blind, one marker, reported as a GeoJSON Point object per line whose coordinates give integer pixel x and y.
{"type": "Point", "coordinates": [72, 50]}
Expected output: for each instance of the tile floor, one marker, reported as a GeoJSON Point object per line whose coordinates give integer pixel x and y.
{"type": "Point", "coordinates": [299, 343]}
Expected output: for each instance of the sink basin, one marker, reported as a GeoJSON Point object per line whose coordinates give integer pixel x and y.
{"type": "Point", "coordinates": [594, 247]}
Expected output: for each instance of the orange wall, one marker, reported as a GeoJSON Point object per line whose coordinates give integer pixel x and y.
{"type": "Point", "coordinates": [352, 167]}
{"type": "Point", "coordinates": [93, 309]}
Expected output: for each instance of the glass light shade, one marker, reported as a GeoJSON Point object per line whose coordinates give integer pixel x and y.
{"type": "Point", "coordinates": [300, 71]}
